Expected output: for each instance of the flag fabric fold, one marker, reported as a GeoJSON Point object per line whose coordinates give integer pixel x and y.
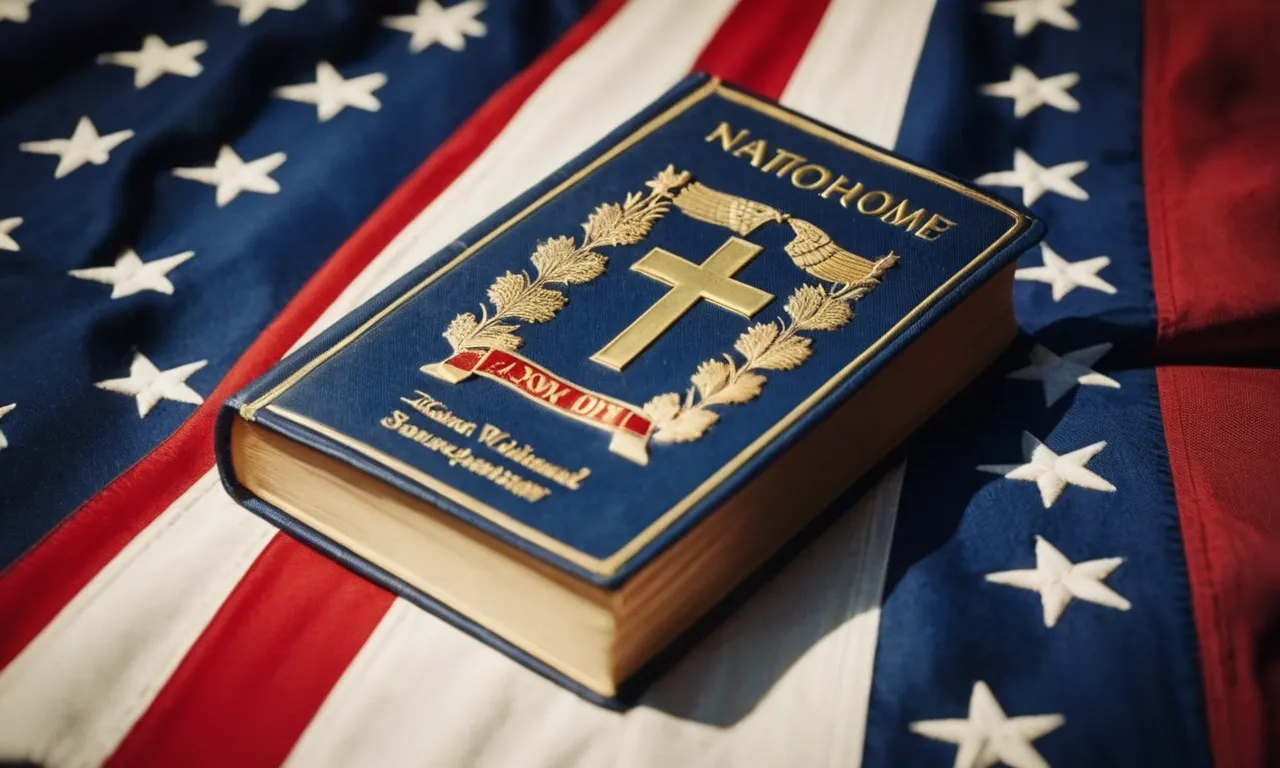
{"type": "Point", "coordinates": [1072, 566]}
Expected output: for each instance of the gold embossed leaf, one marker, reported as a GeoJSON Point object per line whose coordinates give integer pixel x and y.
{"type": "Point", "coordinates": [497, 335]}
{"type": "Point", "coordinates": [711, 377]}
{"type": "Point", "coordinates": [746, 386]}
{"type": "Point", "coordinates": [633, 229]}
{"type": "Point", "coordinates": [552, 255]}
{"type": "Point", "coordinates": [688, 425]}
{"type": "Point", "coordinates": [460, 329]}
{"type": "Point", "coordinates": [538, 305]}
{"type": "Point", "coordinates": [755, 340]}
{"type": "Point", "coordinates": [833, 314]}
{"type": "Point", "coordinates": [813, 309]}
{"type": "Point", "coordinates": [583, 268]}
{"type": "Point", "coordinates": [663, 408]}
{"type": "Point", "coordinates": [785, 354]}
{"type": "Point", "coordinates": [804, 303]}
{"type": "Point", "coordinates": [601, 224]}
{"type": "Point", "coordinates": [507, 291]}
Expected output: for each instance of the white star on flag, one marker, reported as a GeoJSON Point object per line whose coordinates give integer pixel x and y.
{"type": "Point", "coordinates": [4, 411]}
{"type": "Point", "coordinates": [1059, 581]}
{"type": "Point", "coordinates": [989, 736]}
{"type": "Point", "coordinates": [1065, 276]}
{"type": "Point", "coordinates": [149, 385]}
{"type": "Point", "coordinates": [231, 175]}
{"type": "Point", "coordinates": [433, 24]}
{"type": "Point", "coordinates": [157, 58]}
{"type": "Point", "coordinates": [331, 93]}
{"type": "Point", "coordinates": [1028, 14]}
{"type": "Point", "coordinates": [252, 10]}
{"type": "Point", "coordinates": [1029, 92]}
{"type": "Point", "coordinates": [1035, 179]}
{"type": "Point", "coordinates": [1050, 472]}
{"type": "Point", "coordinates": [130, 274]}
{"type": "Point", "coordinates": [84, 146]}
{"type": "Point", "coordinates": [7, 243]}
{"type": "Point", "coordinates": [18, 11]}
{"type": "Point", "coordinates": [1062, 373]}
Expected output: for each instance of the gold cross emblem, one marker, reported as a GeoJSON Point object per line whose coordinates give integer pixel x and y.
{"type": "Point", "coordinates": [711, 280]}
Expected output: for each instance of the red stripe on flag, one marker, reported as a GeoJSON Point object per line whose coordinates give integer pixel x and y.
{"type": "Point", "coordinates": [1212, 149]}
{"type": "Point", "coordinates": [1222, 427]}
{"type": "Point", "coordinates": [35, 588]}
{"type": "Point", "coordinates": [221, 700]}
{"type": "Point", "coordinates": [760, 43]}
{"type": "Point", "coordinates": [1212, 175]}
{"type": "Point", "coordinates": [247, 688]}
{"type": "Point", "coordinates": [255, 628]}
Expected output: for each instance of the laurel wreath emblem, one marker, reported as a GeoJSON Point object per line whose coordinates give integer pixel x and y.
{"type": "Point", "coordinates": [516, 296]}
{"type": "Point", "coordinates": [772, 346]}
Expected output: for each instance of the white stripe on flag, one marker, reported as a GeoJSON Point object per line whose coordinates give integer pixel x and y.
{"type": "Point", "coordinates": [857, 74]}
{"type": "Point", "coordinates": [781, 682]}
{"type": "Point", "coordinates": [74, 693]}
{"type": "Point", "coordinates": [414, 670]}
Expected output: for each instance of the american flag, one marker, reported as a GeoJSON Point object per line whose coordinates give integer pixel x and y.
{"type": "Point", "coordinates": [1075, 565]}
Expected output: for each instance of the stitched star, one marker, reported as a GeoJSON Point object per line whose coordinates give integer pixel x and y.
{"type": "Point", "coordinates": [1029, 92]}
{"type": "Point", "coordinates": [1028, 14]}
{"type": "Point", "coordinates": [84, 146]}
{"type": "Point", "coordinates": [130, 274]}
{"type": "Point", "coordinates": [231, 175]}
{"type": "Point", "coordinates": [1035, 179]}
{"type": "Point", "coordinates": [7, 243]}
{"type": "Point", "coordinates": [252, 10]}
{"type": "Point", "coordinates": [433, 24]}
{"type": "Point", "coordinates": [1050, 472]}
{"type": "Point", "coordinates": [18, 11]}
{"type": "Point", "coordinates": [1065, 276]}
{"type": "Point", "coordinates": [1062, 373]}
{"type": "Point", "coordinates": [1059, 581]}
{"type": "Point", "coordinates": [157, 58]}
{"type": "Point", "coordinates": [988, 736]}
{"type": "Point", "coordinates": [149, 385]}
{"type": "Point", "coordinates": [4, 411]}
{"type": "Point", "coordinates": [331, 93]}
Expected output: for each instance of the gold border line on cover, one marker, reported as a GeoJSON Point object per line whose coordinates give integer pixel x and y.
{"type": "Point", "coordinates": [609, 565]}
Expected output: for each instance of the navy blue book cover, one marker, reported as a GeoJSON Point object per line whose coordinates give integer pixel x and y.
{"type": "Point", "coordinates": [598, 365]}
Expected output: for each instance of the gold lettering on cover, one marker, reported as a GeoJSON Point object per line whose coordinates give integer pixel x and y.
{"type": "Point", "coordinates": [502, 443]}
{"type": "Point", "coordinates": [899, 217]}
{"type": "Point", "coordinates": [884, 201]}
{"type": "Point", "coordinates": [394, 420]}
{"type": "Point", "coordinates": [823, 176]}
{"type": "Point", "coordinates": [755, 150]}
{"type": "Point", "coordinates": [935, 226]}
{"type": "Point", "coordinates": [690, 283]}
{"type": "Point", "coordinates": [785, 164]}
{"type": "Point", "coordinates": [727, 139]}
{"type": "Point", "coordinates": [438, 412]}
{"type": "Point", "coordinates": [782, 162]}
{"type": "Point", "coordinates": [540, 386]}
{"type": "Point", "coordinates": [398, 421]}
{"type": "Point", "coordinates": [587, 405]}
{"type": "Point", "coordinates": [846, 193]}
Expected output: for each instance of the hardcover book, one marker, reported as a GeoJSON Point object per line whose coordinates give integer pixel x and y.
{"type": "Point", "coordinates": [575, 430]}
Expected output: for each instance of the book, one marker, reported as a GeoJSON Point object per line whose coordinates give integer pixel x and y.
{"type": "Point", "coordinates": [576, 429]}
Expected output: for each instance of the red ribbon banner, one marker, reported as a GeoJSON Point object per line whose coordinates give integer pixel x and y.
{"type": "Point", "coordinates": [629, 425]}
